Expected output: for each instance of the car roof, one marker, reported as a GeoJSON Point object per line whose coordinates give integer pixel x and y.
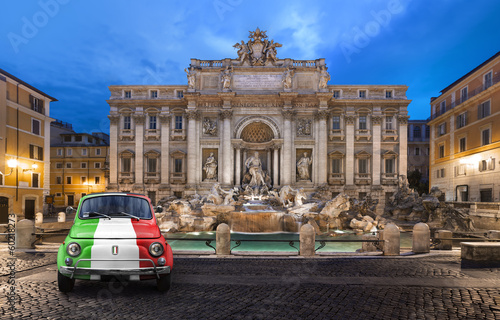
{"type": "Point", "coordinates": [116, 194]}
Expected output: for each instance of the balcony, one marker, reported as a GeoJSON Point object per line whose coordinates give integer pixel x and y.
{"type": "Point", "coordinates": [336, 134]}
{"type": "Point", "coordinates": [152, 135]}
{"type": "Point", "coordinates": [126, 177]}
{"type": "Point", "coordinates": [127, 135]}
{"type": "Point", "coordinates": [363, 134]}
{"type": "Point", "coordinates": [178, 135]}
{"type": "Point", "coordinates": [389, 134]}
{"type": "Point", "coordinates": [389, 178]}
{"type": "Point", "coordinates": [363, 178]}
{"type": "Point", "coordinates": [177, 178]}
{"type": "Point", "coordinates": [151, 177]}
{"type": "Point", "coordinates": [470, 94]}
{"type": "Point", "coordinates": [336, 178]}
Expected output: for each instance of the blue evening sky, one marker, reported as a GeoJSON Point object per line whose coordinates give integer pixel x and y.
{"type": "Point", "coordinates": [73, 50]}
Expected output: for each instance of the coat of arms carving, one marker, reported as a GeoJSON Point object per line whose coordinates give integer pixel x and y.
{"type": "Point", "coordinates": [258, 51]}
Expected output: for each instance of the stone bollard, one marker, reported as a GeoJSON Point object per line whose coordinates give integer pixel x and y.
{"type": "Point", "coordinates": [392, 240]}
{"type": "Point", "coordinates": [494, 234]}
{"type": "Point", "coordinates": [38, 218]}
{"type": "Point", "coordinates": [24, 237]}
{"type": "Point", "coordinates": [307, 240]}
{"type": "Point", "coordinates": [369, 246]}
{"type": "Point", "coordinates": [421, 238]}
{"type": "Point", "coordinates": [445, 238]}
{"type": "Point", "coordinates": [61, 217]}
{"type": "Point", "coordinates": [223, 240]}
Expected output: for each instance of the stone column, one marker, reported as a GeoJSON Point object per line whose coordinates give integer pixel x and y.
{"type": "Point", "coordinates": [113, 151]}
{"type": "Point", "coordinates": [403, 144]}
{"type": "Point", "coordinates": [349, 140]}
{"type": "Point", "coordinates": [322, 159]}
{"type": "Point", "coordinates": [139, 149]}
{"type": "Point", "coordinates": [165, 149]}
{"type": "Point", "coordinates": [287, 148]}
{"type": "Point", "coordinates": [275, 167]}
{"type": "Point", "coordinates": [237, 178]}
{"type": "Point", "coordinates": [377, 131]}
{"type": "Point", "coordinates": [227, 169]}
{"type": "Point", "coordinates": [192, 116]}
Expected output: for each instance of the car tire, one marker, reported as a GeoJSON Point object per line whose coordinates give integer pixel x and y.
{"type": "Point", "coordinates": [163, 284]}
{"type": "Point", "coordinates": [64, 283]}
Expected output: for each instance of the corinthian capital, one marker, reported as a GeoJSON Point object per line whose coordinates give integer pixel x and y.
{"type": "Point", "coordinates": [350, 119]}
{"type": "Point", "coordinates": [321, 115]}
{"type": "Point", "coordinates": [226, 114]}
{"type": "Point", "coordinates": [114, 118]}
{"type": "Point", "coordinates": [139, 118]}
{"type": "Point", "coordinates": [403, 119]}
{"type": "Point", "coordinates": [193, 114]}
{"type": "Point", "coordinates": [376, 119]}
{"type": "Point", "coordinates": [165, 117]}
{"type": "Point", "coordinates": [288, 114]}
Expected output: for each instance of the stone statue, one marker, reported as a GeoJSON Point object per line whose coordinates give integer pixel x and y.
{"type": "Point", "coordinates": [324, 77]}
{"type": "Point", "coordinates": [299, 196]}
{"type": "Point", "coordinates": [210, 167]}
{"type": "Point", "coordinates": [303, 167]}
{"type": "Point", "coordinates": [242, 51]}
{"type": "Point", "coordinates": [191, 77]}
{"type": "Point", "coordinates": [226, 78]}
{"type": "Point", "coordinates": [254, 166]}
{"type": "Point", "coordinates": [258, 50]}
{"type": "Point", "coordinates": [209, 127]}
{"type": "Point", "coordinates": [287, 78]}
{"type": "Point", "coordinates": [270, 50]}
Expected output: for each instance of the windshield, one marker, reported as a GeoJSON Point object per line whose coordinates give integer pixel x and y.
{"type": "Point", "coordinates": [115, 206]}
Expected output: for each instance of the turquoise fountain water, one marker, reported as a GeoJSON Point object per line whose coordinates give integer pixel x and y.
{"type": "Point", "coordinates": [248, 246]}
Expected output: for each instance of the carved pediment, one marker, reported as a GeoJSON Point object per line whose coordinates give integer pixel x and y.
{"type": "Point", "coordinates": [363, 155]}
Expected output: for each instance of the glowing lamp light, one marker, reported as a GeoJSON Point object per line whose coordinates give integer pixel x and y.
{"type": "Point", "coordinates": [12, 163]}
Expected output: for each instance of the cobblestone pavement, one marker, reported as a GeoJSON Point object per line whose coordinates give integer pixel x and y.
{"type": "Point", "coordinates": [418, 287]}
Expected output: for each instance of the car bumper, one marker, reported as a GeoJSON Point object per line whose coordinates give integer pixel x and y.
{"type": "Point", "coordinates": [146, 271]}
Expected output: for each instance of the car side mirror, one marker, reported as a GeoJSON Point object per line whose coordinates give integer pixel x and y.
{"type": "Point", "coordinates": [158, 209]}
{"type": "Point", "coordinates": [70, 210]}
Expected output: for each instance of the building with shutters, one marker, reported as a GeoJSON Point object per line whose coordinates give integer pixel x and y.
{"type": "Point", "coordinates": [181, 139]}
{"type": "Point", "coordinates": [465, 139]}
{"type": "Point", "coordinates": [24, 147]}
{"type": "Point", "coordinates": [79, 164]}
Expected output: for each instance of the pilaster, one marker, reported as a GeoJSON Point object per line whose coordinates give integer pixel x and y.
{"type": "Point", "coordinates": [349, 140]}
{"type": "Point", "coordinates": [165, 120]}
{"type": "Point", "coordinates": [139, 149]}
{"type": "Point", "coordinates": [403, 144]}
{"type": "Point", "coordinates": [113, 151]}
{"type": "Point", "coordinates": [377, 131]}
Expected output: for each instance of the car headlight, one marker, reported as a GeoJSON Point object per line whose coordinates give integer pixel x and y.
{"type": "Point", "coordinates": [156, 249]}
{"type": "Point", "coordinates": [73, 249]}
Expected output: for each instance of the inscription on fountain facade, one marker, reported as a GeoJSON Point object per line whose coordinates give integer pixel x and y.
{"type": "Point", "coordinates": [257, 81]}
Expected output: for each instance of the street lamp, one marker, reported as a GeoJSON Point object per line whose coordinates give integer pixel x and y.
{"type": "Point", "coordinates": [12, 163]}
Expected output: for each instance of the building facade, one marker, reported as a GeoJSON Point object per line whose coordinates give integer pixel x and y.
{"type": "Point", "coordinates": [181, 139]}
{"type": "Point", "coordinates": [418, 147]}
{"type": "Point", "coordinates": [465, 144]}
{"type": "Point", "coordinates": [79, 164]}
{"type": "Point", "coordinates": [24, 147]}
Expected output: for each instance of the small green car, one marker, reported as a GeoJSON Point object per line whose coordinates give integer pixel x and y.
{"type": "Point", "coordinates": [114, 234]}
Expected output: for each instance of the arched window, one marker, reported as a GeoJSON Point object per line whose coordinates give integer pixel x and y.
{"type": "Point", "coordinates": [417, 132]}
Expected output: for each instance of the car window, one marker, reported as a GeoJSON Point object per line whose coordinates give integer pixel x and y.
{"type": "Point", "coordinates": [115, 206]}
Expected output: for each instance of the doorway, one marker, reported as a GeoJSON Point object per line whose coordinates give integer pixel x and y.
{"type": "Point", "coordinates": [71, 200]}
{"type": "Point", "coordinates": [29, 209]}
{"type": "Point", "coordinates": [4, 210]}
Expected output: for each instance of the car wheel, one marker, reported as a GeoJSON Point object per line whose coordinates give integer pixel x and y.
{"type": "Point", "coordinates": [64, 283]}
{"type": "Point", "coordinates": [163, 284]}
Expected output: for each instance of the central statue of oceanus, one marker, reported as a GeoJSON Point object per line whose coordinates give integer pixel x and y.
{"type": "Point", "coordinates": [255, 177]}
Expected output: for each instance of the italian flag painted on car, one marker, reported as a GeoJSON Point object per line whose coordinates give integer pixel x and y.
{"type": "Point", "coordinates": [117, 239]}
